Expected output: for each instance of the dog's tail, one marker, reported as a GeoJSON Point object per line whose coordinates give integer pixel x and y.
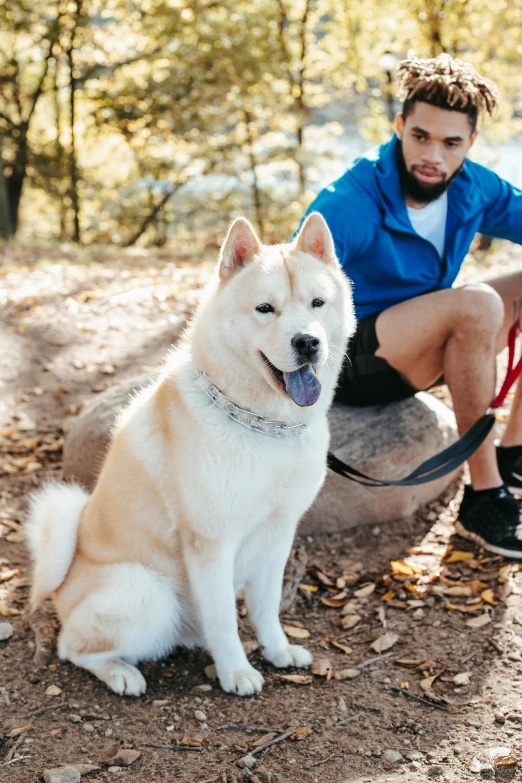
{"type": "Point", "coordinates": [51, 530]}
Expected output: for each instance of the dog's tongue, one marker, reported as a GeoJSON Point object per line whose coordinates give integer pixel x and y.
{"type": "Point", "coordinates": [303, 386]}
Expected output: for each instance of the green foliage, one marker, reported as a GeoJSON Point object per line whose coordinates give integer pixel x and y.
{"type": "Point", "coordinates": [188, 112]}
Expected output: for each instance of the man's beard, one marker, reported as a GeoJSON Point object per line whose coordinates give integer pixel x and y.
{"type": "Point", "coordinates": [421, 192]}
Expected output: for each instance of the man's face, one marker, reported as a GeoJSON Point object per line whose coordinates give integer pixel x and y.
{"type": "Point", "coordinates": [434, 144]}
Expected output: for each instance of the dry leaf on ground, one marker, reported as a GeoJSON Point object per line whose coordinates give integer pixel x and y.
{"type": "Point", "coordinates": [365, 591]}
{"type": "Point", "coordinates": [297, 679]}
{"type": "Point", "coordinates": [296, 633]}
{"type": "Point", "coordinates": [347, 674]}
{"type": "Point", "coordinates": [350, 621]}
{"type": "Point", "coordinates": [385, 641]}
{"type": "Point", "coordinates": [478, 622]}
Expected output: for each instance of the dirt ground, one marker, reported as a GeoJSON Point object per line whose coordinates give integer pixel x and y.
{"type": "Point", "coordinates": [443, 621]}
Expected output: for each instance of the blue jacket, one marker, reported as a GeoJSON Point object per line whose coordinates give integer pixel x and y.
{"type": "Point", "coordinates": [376, 244]}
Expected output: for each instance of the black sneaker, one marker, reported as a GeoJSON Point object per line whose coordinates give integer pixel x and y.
{"type": "Point", "coordinates": [509, 459]}
{"type": "Point", "coordinates": [491, 518]}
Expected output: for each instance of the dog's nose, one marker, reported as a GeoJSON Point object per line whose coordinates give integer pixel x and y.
{"type": "Point", "coordinates": [306, 344]}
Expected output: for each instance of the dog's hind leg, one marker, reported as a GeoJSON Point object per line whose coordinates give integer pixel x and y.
{"type": "Point", "coordinates": [131, 614]}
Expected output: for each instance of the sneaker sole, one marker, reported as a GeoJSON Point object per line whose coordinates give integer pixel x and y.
{"type": "Point", "coordinates": [497, 550]}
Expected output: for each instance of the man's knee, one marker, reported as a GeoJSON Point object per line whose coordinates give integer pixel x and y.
{"type": "Point", "coordinates": [480, 308]}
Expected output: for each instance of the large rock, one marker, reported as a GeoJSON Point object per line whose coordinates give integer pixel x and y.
{"type": "Point", "coordinates": [89, 436]}
{"type": "Point", "coordinates": [385, 441]}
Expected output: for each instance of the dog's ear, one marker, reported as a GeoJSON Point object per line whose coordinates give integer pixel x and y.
{"type": "Point", "coordinates": [238, 249]}
{"type": "Point", "coordinates": [315, 238]}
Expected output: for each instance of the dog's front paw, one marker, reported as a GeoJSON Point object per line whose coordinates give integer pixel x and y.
{"type": "Point", "coordinates": [291, 655]}
{"type": "Point", "coordinates": [126, 680]}
{"type": "Point", "coordinates": [244, 682]}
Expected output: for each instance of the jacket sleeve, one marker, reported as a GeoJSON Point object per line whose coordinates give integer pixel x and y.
{"type": "Point", "coordinates": [503, 216]}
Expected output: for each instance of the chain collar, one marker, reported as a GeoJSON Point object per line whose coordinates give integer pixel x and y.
{"type": "Point", "coordinates": [253, 421]}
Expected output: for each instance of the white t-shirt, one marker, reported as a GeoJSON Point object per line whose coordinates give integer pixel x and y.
{"type": "Point", "coordinates": [429, 222]}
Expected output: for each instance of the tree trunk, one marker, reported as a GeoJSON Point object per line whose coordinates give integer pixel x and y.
{"type": "Point", "coordinates": [73, 169]}
{"type": "Point", "coordinates": [6, 224]}
{"type": "Point", "coordinates": [256, 192]}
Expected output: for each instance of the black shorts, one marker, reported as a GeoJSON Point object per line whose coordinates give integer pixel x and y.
{"type": "Point", "coordinates": [367, 379]}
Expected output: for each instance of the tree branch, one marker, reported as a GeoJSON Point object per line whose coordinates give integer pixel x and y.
{"type": "Point", "coordinates": [152, 215]}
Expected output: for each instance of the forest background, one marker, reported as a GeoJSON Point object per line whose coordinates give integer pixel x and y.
{"type": "Point", "coordinates": [149, 122]}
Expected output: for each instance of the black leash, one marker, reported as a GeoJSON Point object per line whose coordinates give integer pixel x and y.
{"type": "Point", "coordinates": [433, 468]}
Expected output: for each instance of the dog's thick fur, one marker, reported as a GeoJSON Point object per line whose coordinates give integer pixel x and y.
{"type": "Point", "coordinates": [190, 506]}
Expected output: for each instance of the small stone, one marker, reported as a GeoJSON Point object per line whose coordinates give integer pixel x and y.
{"type": "Point", "coordinates": [247, 762]}
{"type": "Point", "coordinates": [108, 733]}
{"type": "Point", "coordinates": [414, 755]}
{"type": "Point", "coordinates": [75, 718]}
{"type": "Point", "coordinates": [435, 771]}
{"type": "Point", "coordinates": [160, 702]}
{"type": "Point", "coordinates": [53, 690]}
{"type": "Point", "coordinates": [124, 757]}
{"type": "Point", "coordinates": [200, 715]}
{"type": "Point", "coordinates": [114, 769]}
{"type": "Point", "coordinates": [341, 705]}
{"type": "Point", "coordinates": [88, 728]}
{"type": "Point", "coordinates": [416, 765]}
{"type": "Point", "coordinates": [393, 756]}
{"type": "Point", "coordinates": [475, 765]}
{"type": "Point", "coordinates": [6, 631]}
{"type": "Point", "coordinates": [205, 687]}
{"type": "Point", "coordinates": [62, 775]}
{"type": "Point", "coordinates": [500, 717]}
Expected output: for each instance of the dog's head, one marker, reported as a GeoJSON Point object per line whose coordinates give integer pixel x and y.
{"type": "Point", "coordinates": [285, 310]}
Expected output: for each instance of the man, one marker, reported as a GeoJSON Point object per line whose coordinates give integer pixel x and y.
{"type": "Point", "coordinates": [402, 220]}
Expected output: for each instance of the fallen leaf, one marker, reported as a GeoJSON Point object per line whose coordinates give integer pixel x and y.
{"type": "Point", "coordinates": [55, 732]}
{"type": "Point", "coordinates": [265, 738]}
{"type": "Point", "coordinates": [210, 672]}
{"type": "Point", "coordinates": [322, 667]}
{"type": "Point", "coordinates": [350, 621]}
{"type": "Point", "coordinates": [343, 647]}
{"type": "Point", "coordinates": [387, 596]}
{"type": "Point", "coordinates": [404, 685]}
{"type": "Point", "coordinates": [296, 633]}
{"type": "Point", "coordinates": [384, 642]}
{"type": "Point", "coordinates": [336, 601]}
{"type": "Point", "coordinates": [410, 663]}
{"type": "Point", "coordinates": [463, 678]}
{"type": "Point", "coordinates": [478, 622]}
{"type": "Point", "coordinates": [457, 556]}
{"type": "Point", "coordinates": [400, 568]}
{"type": "Point", "coordinates": [297, 679]}
{"type": "Point", "coordinates": [7, 611]}
{"type": "Point", "coordinates": [195, 740]}
{"type": "Point", "coordinates": [20, 730]}
{"type": "Point", "coordinates": [301, 734]}
{"type": "Point", "coordinates": [347, 674]}
{"type": "Point", "coordinates": [364, 591]}
{"type": "Point", "coordinates": [309, 588]}
{"type": "Point", "coordinates": [428, 682]}
{"type": "Point", "coordinates": [340, 583]}
{"type": "Point", "coordinates": [5, 576]}
{"type": "Point", "coordinates": [455, 591]}
{"type": "Point", "coordinates": [488, 596]}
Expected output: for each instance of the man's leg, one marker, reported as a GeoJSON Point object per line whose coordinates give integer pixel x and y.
{"type": "Point", "coordinates": [454, 332]}
{"type": "Point", "coordinates": [509, 287]}
{"type": "Point", "coordinates": [458, 332]}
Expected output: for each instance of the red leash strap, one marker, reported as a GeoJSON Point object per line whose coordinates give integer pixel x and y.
{"type": "Point", "coordinates": [513, 371]}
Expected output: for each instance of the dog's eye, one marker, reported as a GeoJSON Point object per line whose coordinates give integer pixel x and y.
{"type": "Point", "coordinates": [265, 308]}
{"type": "Point", "coordinates": [317, 302]}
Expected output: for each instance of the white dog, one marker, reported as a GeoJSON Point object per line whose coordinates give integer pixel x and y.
{"type": "Point", "coordinates": [208, 473]}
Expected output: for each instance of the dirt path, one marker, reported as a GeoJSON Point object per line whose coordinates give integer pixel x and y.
{"type": "Point", "coordinates": [75, 323]}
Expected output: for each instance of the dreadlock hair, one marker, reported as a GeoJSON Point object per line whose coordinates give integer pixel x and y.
{"type": "Point", "coordinates": [447, 83]}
